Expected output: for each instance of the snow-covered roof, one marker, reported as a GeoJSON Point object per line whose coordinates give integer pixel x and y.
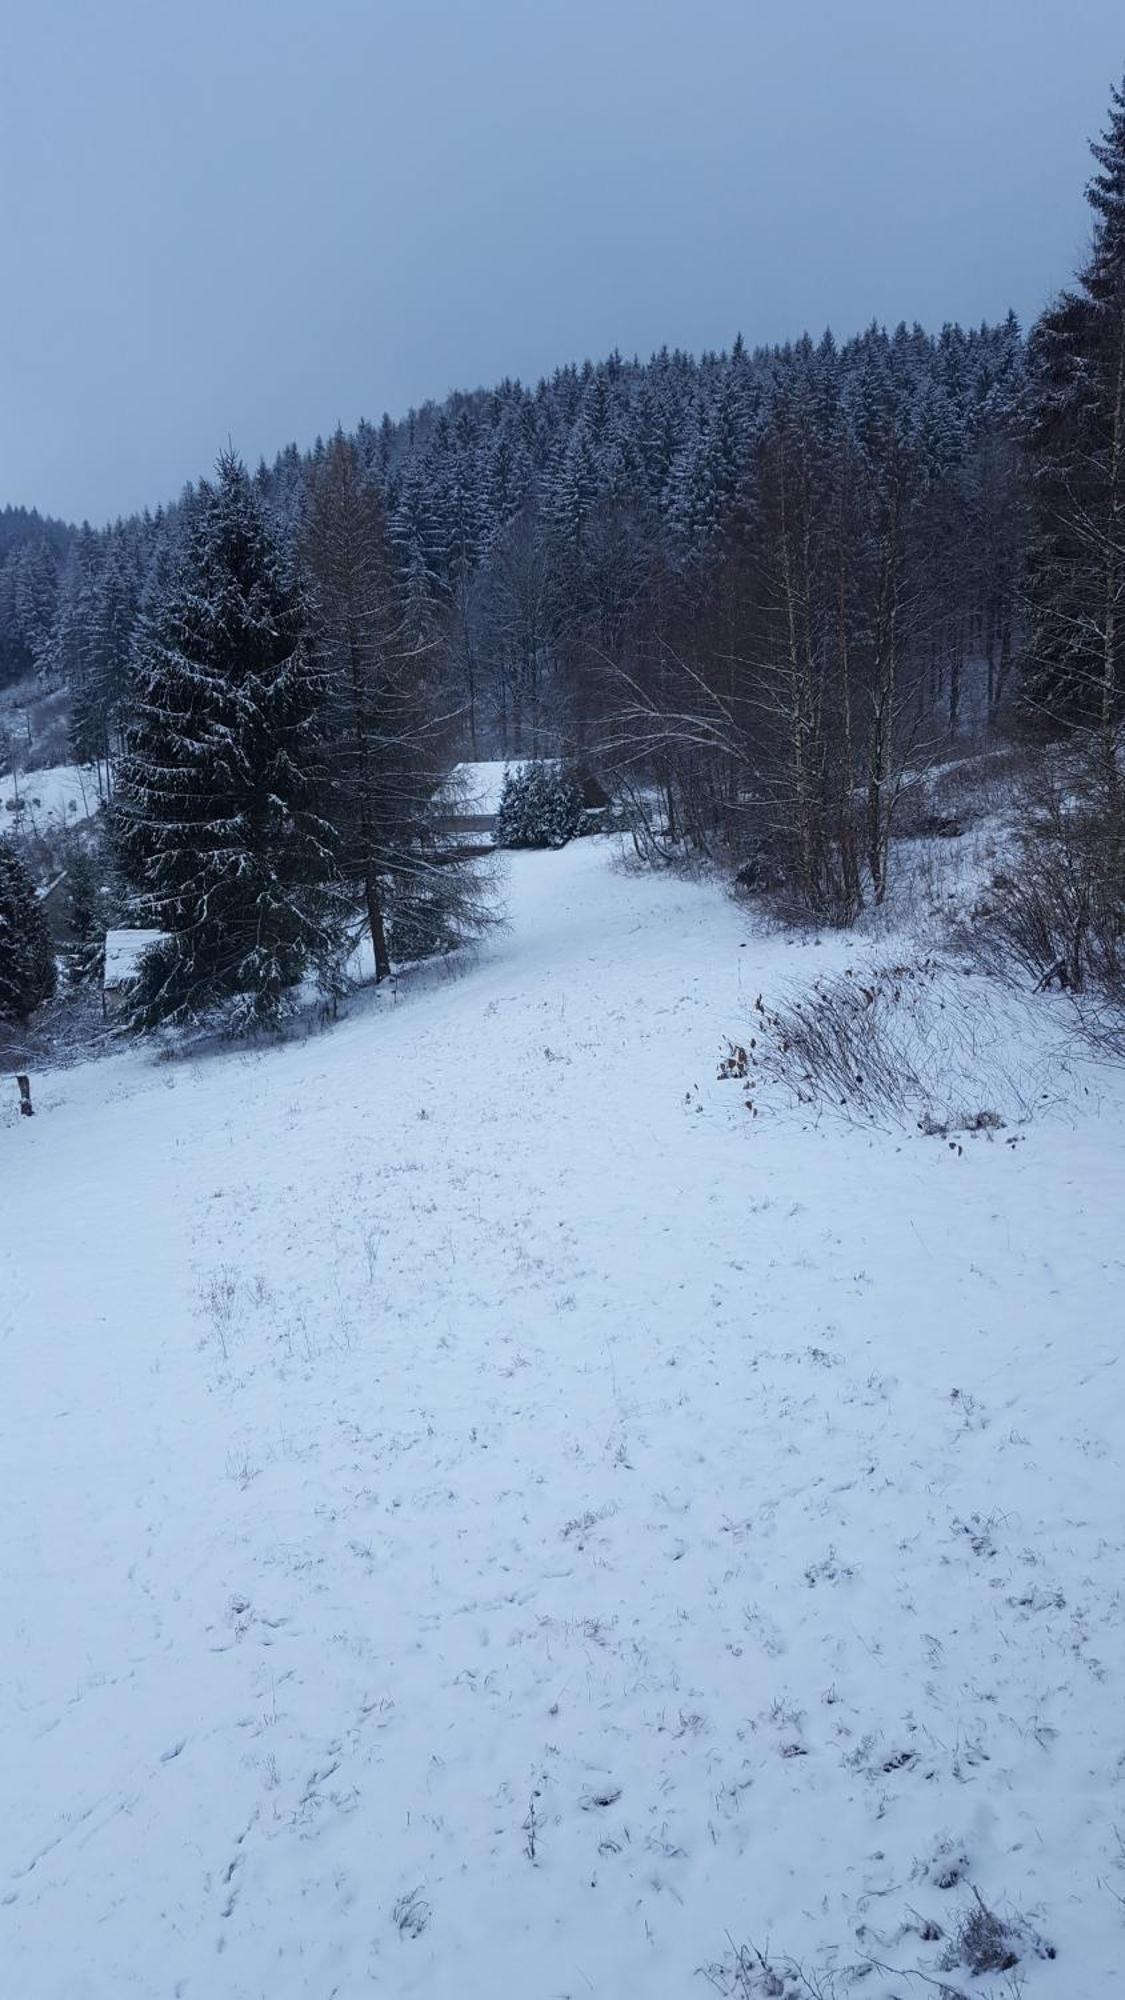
{"type": "Point", "coordinates": [477, 789]}
{"type": "Point", "coordinates": [124, 951]}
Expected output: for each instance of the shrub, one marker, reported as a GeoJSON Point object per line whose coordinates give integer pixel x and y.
{"type": "Point", "coordinates": [1061, 913]}
{"type": "Point", "coordinates": [846, 1041]}
{"type": "Point", "coordinates": [986, 1942]}
{"type": "Point", "coordinates": [918, 1041]}
{"type": "Point", "coordinates": [1058, 912]}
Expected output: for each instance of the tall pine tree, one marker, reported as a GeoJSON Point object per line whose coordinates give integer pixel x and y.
{"type": "Point", "coordinates": [27, 961]}
{"type": "Point", "coordinates": [89, 913]}
{"type": "Point", "coordinates": [218, 809]}
{"type": "Point", "coordinates": [1077, 441]}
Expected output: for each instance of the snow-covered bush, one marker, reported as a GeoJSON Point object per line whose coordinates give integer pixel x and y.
{"type": "Point", "coordinates": [987, 1942]}
{"type": "Point", "coordinates": [846, 1040]}
{"type": "Point", "coordinates": [918, 1043]}
{"type": "Point", "coordinates": [541, 806]}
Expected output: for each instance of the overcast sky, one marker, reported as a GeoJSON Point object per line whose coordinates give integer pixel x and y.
{"type": "Point", "coordinates": [257, 218]}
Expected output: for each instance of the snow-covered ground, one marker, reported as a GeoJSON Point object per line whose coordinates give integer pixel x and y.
{"type": "Point", "coordinates": [485, 1515]}
{"type": "Point", "coordinates": [40, 801]}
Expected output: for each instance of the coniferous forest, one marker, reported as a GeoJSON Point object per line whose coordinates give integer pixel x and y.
{"type": "Point", "coordinates": [751, 591]}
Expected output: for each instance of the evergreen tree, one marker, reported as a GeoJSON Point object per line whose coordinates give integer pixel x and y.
{"type": "Point", "coordinates": [88, 913]}
{"type": "Point", "coordinates": [540, 806]}
{"type": "Point", "coordinates": [571, 503]}
{"type": "Point", "coordinates": [114, 619]}
{"type": "Point", "coordinates": [36, 590]}
{"type": "Point", "coordinates": [1077, 445]}
{"type": "Point", "coordinates": [220, 831]}
{"type": "Point", "coordinates": [416, 533]}
{"type": "Point", "coordinates": [71, 655]}
{"type": "Point", "coordinates": [27, 961]}
{"type": "Point", "coordinates": [507, 475]}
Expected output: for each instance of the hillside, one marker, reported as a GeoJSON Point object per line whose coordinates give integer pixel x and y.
{"type": "Point", "coordinates": [42, 802]}
{"type": "Point", "coordinates": [489, 1515]}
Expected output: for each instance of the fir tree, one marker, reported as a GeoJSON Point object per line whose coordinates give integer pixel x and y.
{"type": "Point", "coordinates": [36, 591]}
{"type": "Point", "coordinates": [88, 911]}
{"type": "Point", "coordinates": [27, 961]}
{"type": "Point", "coordinates": [115, 616]}
{"type": "Point", "coordinates": [1077, 443]}
{"type": "Point", "coordinates": [540, 807]}
{"type": "Point", "coordinates": [73, 652]}
{"type": "Point", "coordinates": [220, 832]}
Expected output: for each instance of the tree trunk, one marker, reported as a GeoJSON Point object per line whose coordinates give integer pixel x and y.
{"type": "Point", "coordinates": [1115, 533]}
{"type": "Point", "coordinates": [376, 925]}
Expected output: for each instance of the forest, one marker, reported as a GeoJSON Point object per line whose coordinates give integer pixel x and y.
{"type": "Point", "coordinates": [752, 591]}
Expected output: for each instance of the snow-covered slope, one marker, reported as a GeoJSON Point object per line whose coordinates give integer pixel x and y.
{"type": "Point", "coordinates": [37, 801]}
{"type": "Point", "coordinates": [485, 1516]}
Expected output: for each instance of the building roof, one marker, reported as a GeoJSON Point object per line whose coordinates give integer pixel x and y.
{"type": "Point", "coordinates": [124, 951]}
{"type": "Point", "coordinates": [474, 790]}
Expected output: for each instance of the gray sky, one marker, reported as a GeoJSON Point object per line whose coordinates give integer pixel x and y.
{"type": "Point", "coordinates": [257, 218]}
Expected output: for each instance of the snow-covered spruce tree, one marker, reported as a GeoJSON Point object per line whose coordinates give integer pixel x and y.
{"type": "Point", "coordinates": [540, 807]}
{"type": "Point", "coordinates": [27, 961]}
{"type": "Point", "coordinates": [219, 826]}
{"type": "Point", "coordinates": [1059, 912]}
{"type": "Point", "coordinates": [512, 814]}
{"type": "Point", "coordinates": [89, 909]}
{"type": "Point", "coordinates": [98, 690]}
{"type": "Point", "coordinates": [36, 595]}
{"type": "Point", "coordinates": [1076, 666]}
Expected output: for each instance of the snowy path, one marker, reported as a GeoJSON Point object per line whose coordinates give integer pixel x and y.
{"type": "Point", "coordinates": [483, 1516]}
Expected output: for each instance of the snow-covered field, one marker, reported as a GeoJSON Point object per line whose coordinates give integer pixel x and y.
{"type": "Point", "coordinates": [40, 801]}
{"type": "Point", "coordinates": [484, 1515]}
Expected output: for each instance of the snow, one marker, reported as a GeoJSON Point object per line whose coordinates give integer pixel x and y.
{"type": "Point", "coordinates": [486, 1515]}
{"type": "Point", "coordinates": [124, 950]}
{"type": "Point", "coordinates": [479, 787]}
{"type": "Point", "coordinates": [37, 801]}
